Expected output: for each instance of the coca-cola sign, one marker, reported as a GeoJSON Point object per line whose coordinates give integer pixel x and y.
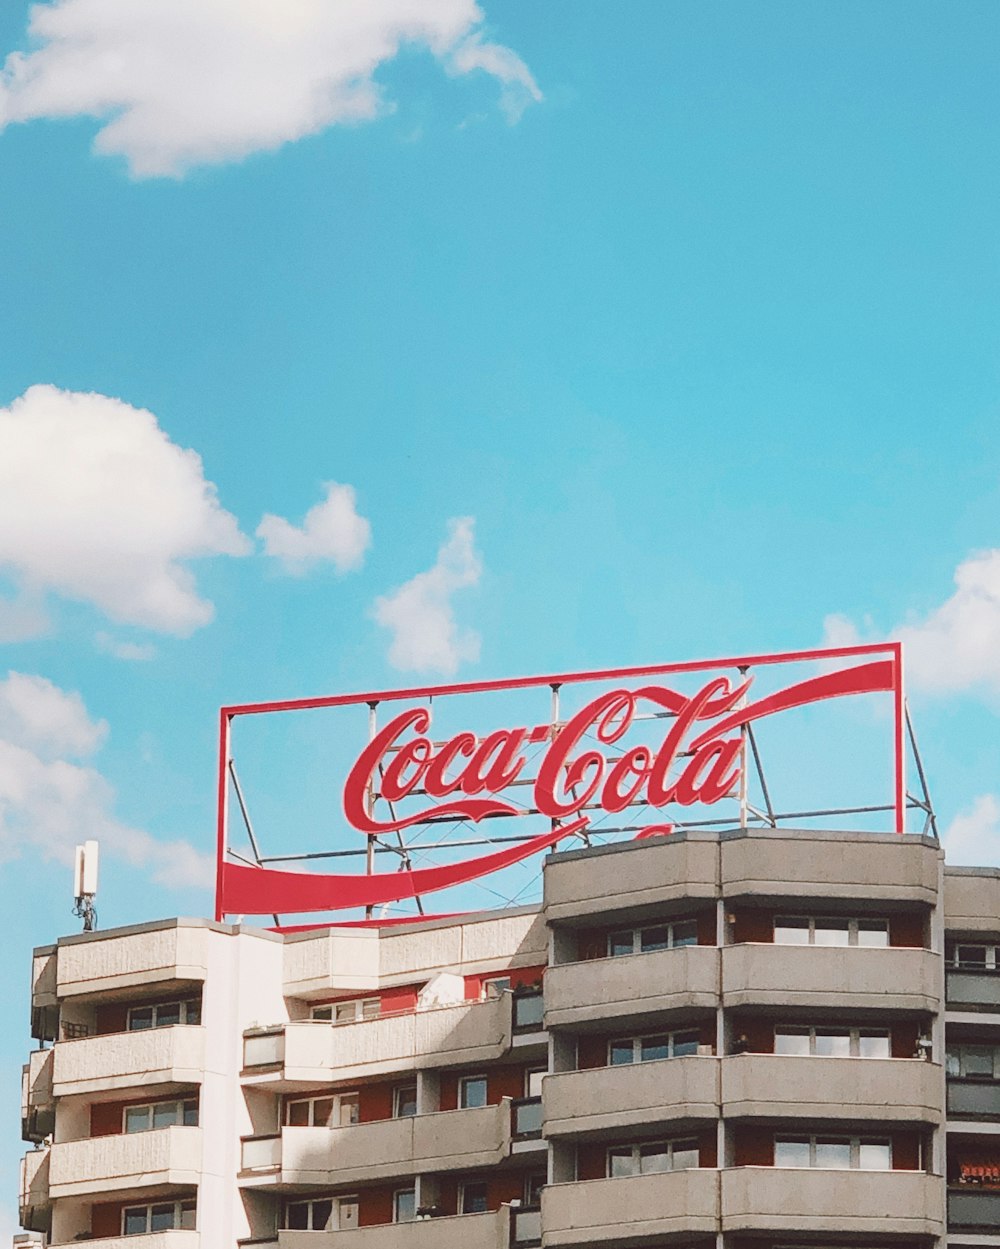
{"type": "Point", "coordinates": [599, 761]}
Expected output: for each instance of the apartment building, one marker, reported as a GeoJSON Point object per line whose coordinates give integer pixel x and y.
{"type": "Point", "coordinates": [760, 1039]}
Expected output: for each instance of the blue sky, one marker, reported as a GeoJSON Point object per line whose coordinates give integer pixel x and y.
{"type": "Point", "coordinates": [674, 327]}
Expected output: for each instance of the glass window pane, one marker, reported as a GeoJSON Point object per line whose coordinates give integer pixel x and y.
{"type": "Point", "coordinates": [298, 1114]}
{"type": "Point", "coordinates": [685, 933]}
{"type": "Point", "coordinates": [188, 1215]}
{"type": "Point", "coordinates": [620, 943]}
{"type": "Point", "coordinates": [685, 1155]}
{"type": "Point", "coordinates": [654, 1158]}
{"type": "Point", "coordinates": [406, 1101]}
{"type": "Point", "coordinates": [652, 1048]}
{"type": "Point", "coordinates": [832, 1043]}
{"type": "Point", "coordinates": [134, 1222]}
{"type": "Point", "coordinates": [621, 1053]}
{"type": "Point", "coordinates": [161, 1218]}
{"type": "Point", "coordinates": [322, 1012]}
{"type": "Point", "coordinates": [474, 1198]}
{"type": "Point", "coordinates": [655, 939]}
{"type": "Point", "coordinates": [791, 931]}
{"type": "Point", "coordinates": [190, 1114]}
{"type": "Point", "coordinates": [953, 1063]}
{"type": "Point", "coordinates": [875, 1156]}
{"type": "Point", "coordinates": [791, 1041]}
{"type": "Point", "coordinates": [873, 1045]}
{"type": "Point", "coordinates": [832, 932]}
{"type": "Point", "coordinates": [972, 956]}
{"type": "Point", "coordinates": [137, 1119]}
{"type": "Point", "coordinates": [140, 1017]}
{"type": "Point", "coordinates": [193, 1013]}
{"type": "Point", "coordinates": [168, 1014]}
{"type": "Point", "coordinates": [350, 1109]}
{"type": "Point", "coordinates": [873, 933]}
{"type": "Point", "coordinates": [978, 1060]}
{"type": "Point", "coordinates": [473, 1092]}
{"type": "Point", "coordinates": [404, 1205]}
{"type": "Point", "coordinates": [833, 1154]}
{"type": "Point", "coordinates": [297, 1216]}
{"type": "Point", "coordinates": [496, 986]}
{"type": "Point", "coordinates": [685, 1043]}
{"type": "Point", "coordinates": [370, 1008]}
{"type": "Point", "coordinates": [621, 1162]}
{"type": "Point", "coordinates": [165, 1114]}
{"type": "Point", "coordinates": [321, 1211]}
{"type": "Point", "coordinates": [791, 1153]}
{"type": "Point", "coordinates": [345, 1012]}
{"type": "Point", "coordinates": [323, 1112]}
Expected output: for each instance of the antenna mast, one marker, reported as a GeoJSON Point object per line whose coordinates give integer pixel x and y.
{"type": "Point", "coordinates": [85, 885]}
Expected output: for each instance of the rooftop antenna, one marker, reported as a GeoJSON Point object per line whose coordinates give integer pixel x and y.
{"type": "Point", "coordinates": [85, 885]}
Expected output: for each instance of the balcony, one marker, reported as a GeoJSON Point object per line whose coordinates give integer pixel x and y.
{"type": "Point", "coordinates": [388, 1149]}
{"type": "Point", "coordinates": [129, 1060]}
{"type": "Point", "coordinates": [970, 990]}
{"type": "Point", "coordinates": [465, 1231]}
{"type": "Point", "coordinates": [901, 1090]}
{"type": "Point", "coordinates": [303, 1054]}
{"type": "Point", "coordinates": [37, 1103]}
{"type": "Point", "coordinates": [631, 987]}
{"type": "Point", "coordinates": [852, 866]}
{"type": "Point", "coordinates": [845, 1203]}
{"type": "Point", "coordinates": [337, 960]}
{"type": "Point", "coordinates": [831, 976]}
{"type": "Point", "coordinates": [34, 1191]}
{"type": "Point", "coordinates": [165, 955]}
{"type": "Point", "coordinates": [126, 1164]}
{"type": "Point", "coordinates": [587, 1103]}
{"type": "Point", "coordinates": [973, 1099]}
{"type": "Point", "coordinates": [974, 1210]}
{"type": "Point", "coordinates": [633, 1211]}
{"type": "Point", "coordinates": [664, 870]}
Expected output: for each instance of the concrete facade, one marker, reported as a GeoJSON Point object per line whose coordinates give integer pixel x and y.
{"type": "Point", "coordinates": [750, 1040]}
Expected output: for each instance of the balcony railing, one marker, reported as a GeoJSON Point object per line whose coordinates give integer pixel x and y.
{"type": "Point", "coordinates": [527, 1118]}
{"type": "Point", "coordinates": [525, 1226]}
{"type": "Point", "coordinates": [974, 1210]}
{"type": "Point", "coordinates": [972, 989]}
{"type": "Point", "coordinates": [973, 1099]}
{"type": "Point", "coordinates": [528, 1011]}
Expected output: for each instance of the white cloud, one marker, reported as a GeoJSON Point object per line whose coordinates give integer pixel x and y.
{"type": "Point", "coordinates": [48, 805]}
{"type": "Point", "coordinates": [957, 645]}
{"type": "Point", "coordinates": [332, 531]}
{"type": "Point", "coordinates": [973, 836]}
{"type": "Point", "coordinates": [180, 83]}
{"type": "Point", "coordinates": [98, 505]}
{"type": "Point", "coordinates": [133, 652]}
{"type": "Point", "coordinates": [425, 636]}
{"type": "Point", "coordinates": [38, 714]}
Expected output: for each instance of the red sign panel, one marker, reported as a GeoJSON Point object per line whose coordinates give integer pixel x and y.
{"type": "Point", "coordinates": [639, 743]}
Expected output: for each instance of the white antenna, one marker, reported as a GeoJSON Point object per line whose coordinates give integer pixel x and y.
{"type": "Point", "coordinates": [85, 884]}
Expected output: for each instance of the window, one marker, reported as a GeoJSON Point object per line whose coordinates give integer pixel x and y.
{"type": "Point", "coordinates": [648, 940]}
{"type": "Point", "coordinates": [404, 1101]}
{"type": "Point", "coordinates": [974, 1060]}
{"type": "Point", "coordinates": [164, 1015]}
{"type": "Point", "coordinates": [652, 1156]}
{"type": "Point", "coordinates": [976, 957]}
{"type": "Point", "coordinates": [836, 930]}
{"type": "Point", "coordinates": [160, 1115]}
{"type": "Point", "coordinates": [348, 1012]}
{"type": "Point", "coordinates": [158, 1217]}
{"type": "Point", "coordinates": [404, 1205]}
{"type": "Point", "coordinates": [309, 1216]}
{"type": "Point", "coordinates": [472, 1092]}
{"type": "Point", "coordinates": [496, 986]}
{"type": "Point", "coordinates": [839, 1153]}
{"type": "Point", "coordinates": [533, 1185]}
{"type": "Point", "coordinates": [651, 1048]}
{"type": "Point", "coordinates": [472, 1198]}
{"type": "Point", "coordinates": [833, 1042]}
{"type": "Point", "coordinates": [335, 1110]}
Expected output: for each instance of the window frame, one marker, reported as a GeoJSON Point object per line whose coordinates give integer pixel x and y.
{"type": "Point", "coordinates": [636, 1043]}
{"type": "Point", "coordinates": [854, 1035]}
{"type": "Point", "coordinates": [185, 1012]}
{"type": "Point", "coordinates": [670, 1147]}
{"type": "Point", "coordinates": [463, 1190]}
{"type": "Point", "coordinates": [637, 935]}
{"type": "Point", "coordinates": [397, 1092]}
{"type": "Point", "coordinates": [179, 1102]}
{"type": "Point", "coordinates": [310, 1203]}
{"type": "Point", "coordinates": [991, 956]}
{"type": "Point", "coordinates": [489, 990]}
{"type": "Point", "coordinates": [403, 1192]}
{"type": "Point", "coordinates": [854, 1141]}
{"type": "Point", "coordinates": [955, 1061]}
{"type": "Point", "coordinates": [326, 1012]}
{"type": "Point", "coordinates": [181, 1206]}
{"type": "Point", "coordinates": [465, 1081]}
{"type": "Point", "coordinates": [853, 922]}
